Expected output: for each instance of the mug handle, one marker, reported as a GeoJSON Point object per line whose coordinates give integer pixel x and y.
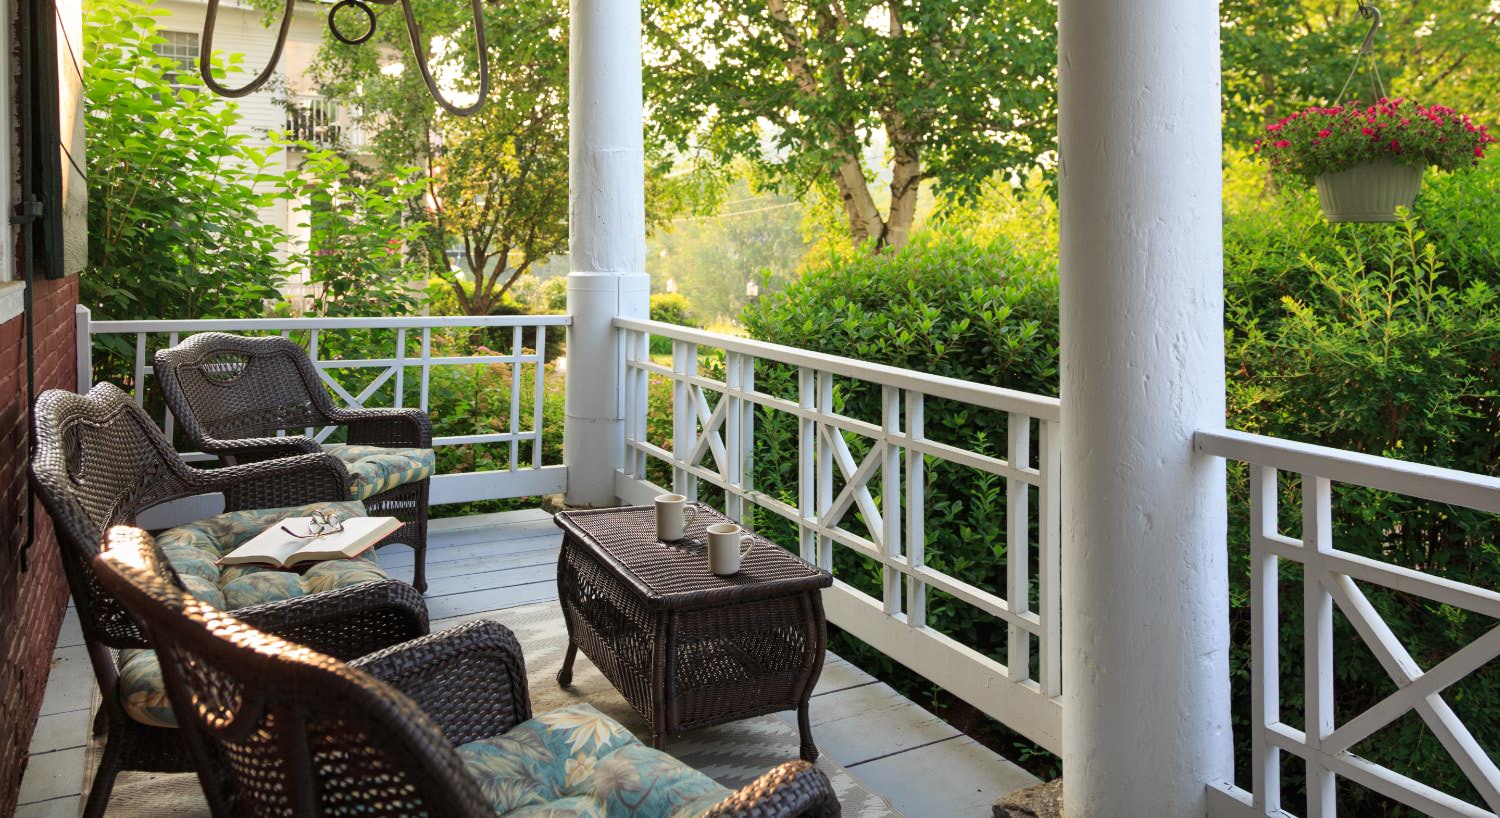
{"type": "Point", "coordinates": [690, 513]}
{"type": "Point", "coordinates": [744, 535]}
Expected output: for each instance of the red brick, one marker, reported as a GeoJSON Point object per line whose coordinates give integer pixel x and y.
{"type": "Point", "coordinates": [31, 603]}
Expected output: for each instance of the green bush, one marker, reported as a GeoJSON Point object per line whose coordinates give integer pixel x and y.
{"type": "Point", "coordinates": [669, 308]}
{"type": "Point", "coordinates": [944, 305]}
{"type": "Point", "coordinates": [1372, 338]}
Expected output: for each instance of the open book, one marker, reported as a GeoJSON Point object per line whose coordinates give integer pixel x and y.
{"type": "Point", "coordinates": [279, 549]}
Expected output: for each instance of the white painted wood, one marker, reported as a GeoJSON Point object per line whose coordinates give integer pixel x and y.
{"type": "Point", "coordinates": [989, 397]}
{"type": "Point", "coordinates": [1049, 550]}
{"type": "Point", "coordinates": [1225, 800]}
{"type": "Point", "coordinates": [138, 387]}
{"type": "Point", "coordinates": [401, 367]}
{"type": "Point", "coordinates": [1146, 704]}
{"type": "Point", "coordinates": [807, 464]}
{"type": "Point", "coordinates": [488, 485]}
{"type": "Point", "coordinates": [607, 236]}
{"type": "Point", "coordinates": [84, 351]}
{"type": "Point", "coordinates": [539, 397]}
{"type": "Point", "coordinates": [957, 668]}
{"type": "Point", "coordinates": [188, 326]}
{"type": "Point", "coordinates": [1399, 476]}
{"type": "Point", "coordinates": [890, 500]}
{"type": "Point", "coordinates": [1330, 578]}
{"type": "Point", "coordinates": [1017, 548]}
{"type": "Point", "coordinates": [916, 511]}
{"type": "Point", "coordinates": [1265, 632]}
{"type": "Point", "coordinates": [1317, 656]}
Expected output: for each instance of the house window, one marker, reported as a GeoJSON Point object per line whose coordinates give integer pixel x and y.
{"type": "Point", "coordinates": [182, 48]}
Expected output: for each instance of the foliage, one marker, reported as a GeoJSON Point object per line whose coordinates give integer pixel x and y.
{"type": "Point", "coordinates": [671, 308]}
{"type": "Point", "coordinates": [954, 90]}
{"type": "Point", "coordinates": [1385, 350]}
{"type": "Point", "coordinates": [174, 228]}
{"type": "Point", "coordinates": [356, 255]}
{"type": "Point", "coordinates": [944, 305]}
{"type": "Point", "coordinates": [753, 237]}
{"type": "Point", "coordinates": [497, 181]}
{"type": "Point", "coordinates": [1316, 141]}
{"type": "Point", "coordinates": [1280, 57]}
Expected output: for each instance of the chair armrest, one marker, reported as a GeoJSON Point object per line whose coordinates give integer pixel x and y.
{"type": "Point", "coordinates": [344, 623]}
{"type": "Point", "coordinates": [386, 427]}
{"type": "Point", "coordinates": [253, 449]}
{"type": "Point", "coordinates": [791, 790]}
{"type": "Point", "coordinates": [470, 679]}
{"type": "Point", "coordinates": [288, 481]}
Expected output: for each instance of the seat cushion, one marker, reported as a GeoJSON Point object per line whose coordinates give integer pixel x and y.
{"type": "Point", "coordinates": [576, 761]}
{"type": "Point", "coordinates": [375, 469]}
{"type": "Point", "coordinates": [193, 551]}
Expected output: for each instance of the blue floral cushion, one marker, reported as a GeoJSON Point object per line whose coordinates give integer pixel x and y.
{"type": "Point", "coordinates": [576, 761]}
{"type": "Point", "coordinates": [376, 469]}
{"type": "Point", "coordinates": [193, 551]}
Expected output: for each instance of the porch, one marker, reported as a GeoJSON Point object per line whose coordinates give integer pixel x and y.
{"type": "Point", "coordinates": [832, 457]}
{"type": "Point", "coordinates": [503, 566]}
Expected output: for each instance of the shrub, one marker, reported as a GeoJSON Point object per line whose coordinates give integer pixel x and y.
{"type": "Point", "coordinates": [669, 308]}
{"type": "Point", "coordinates": [946, 305]}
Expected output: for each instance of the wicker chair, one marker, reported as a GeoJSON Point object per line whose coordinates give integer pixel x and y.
{"type": "Point", "coordinates": [283, 730]}
{"type": "Point", "coordinates": [99, 462]}
{"type": "Point", "coordinates": [233, 394]}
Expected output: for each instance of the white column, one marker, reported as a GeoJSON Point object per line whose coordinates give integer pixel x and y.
{"type": "Point", "coordinates": [607, 227]}
{"type": "Point", "coordinates": [1145, 588]}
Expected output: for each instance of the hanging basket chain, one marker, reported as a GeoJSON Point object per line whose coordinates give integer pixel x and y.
{"type": "Point", "coordinates": [419, 52]}
{"type": "Point", "coordinates": [1366, 52]}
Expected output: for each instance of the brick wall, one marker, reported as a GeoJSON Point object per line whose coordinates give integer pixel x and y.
{"type": "Point", "coordinates": [31, 603]}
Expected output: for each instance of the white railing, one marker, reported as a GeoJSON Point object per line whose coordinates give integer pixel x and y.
{"type": "Point", "coordinates": [320, 120]}
{"type": "Point", "coordinates": [1329, 579]}
{"type": "Point", "coordinates": [526, 474]}
{"type": "Point", "coordinates": [713, 443]}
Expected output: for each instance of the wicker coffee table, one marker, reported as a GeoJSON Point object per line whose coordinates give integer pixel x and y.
{"type": "Point", "coordinates": [686, 648]}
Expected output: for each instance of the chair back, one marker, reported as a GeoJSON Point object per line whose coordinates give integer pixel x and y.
{"type": "Point", "coordinates": [231, 387]}
{"type": "Point", "coordinates": [99, 462]}
{"type": "Point", "coordinates": [277, 728]}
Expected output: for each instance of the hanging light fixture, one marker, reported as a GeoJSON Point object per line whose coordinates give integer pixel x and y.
{"type": "Point", "coordinates": [418, 50]}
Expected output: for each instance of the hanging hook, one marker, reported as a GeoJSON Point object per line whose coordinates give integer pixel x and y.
{"type": "Point", "coordinates": [419, 51]}
{"type": "Point", "coordinates": [209, 24]}
{"type": "Point", "coordinates": [1366, 51]}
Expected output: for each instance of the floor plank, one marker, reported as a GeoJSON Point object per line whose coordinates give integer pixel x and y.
{"type": "Point", "coordinates": [478, 567]}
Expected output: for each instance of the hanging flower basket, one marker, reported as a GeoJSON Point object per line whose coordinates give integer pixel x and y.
{"type": "Point", "coordinates": [1370, 192]}
{"type": "Point", "coordinates": [1367, 161]}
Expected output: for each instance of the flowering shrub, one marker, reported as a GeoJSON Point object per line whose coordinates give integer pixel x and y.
{"type": "Point", "coordinates": [1316, 141]}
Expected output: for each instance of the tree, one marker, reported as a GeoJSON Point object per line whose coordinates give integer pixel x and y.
{"type": "Point", "coordinates": [174, 196]}
{"type": "Point", "coordinates": [955, 91]}
{"type": "Point", "coordinates": [1281, 57]}
{"type": "Point", "coordinates": [355, 255]}
{"type": "Point", "coordinates": [496, 182]}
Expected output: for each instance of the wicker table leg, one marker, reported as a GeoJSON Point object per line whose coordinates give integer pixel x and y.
{"type": "Point", "coordinates": [804, 727]}
{"type": "Point", "coordinates": [565, 675]}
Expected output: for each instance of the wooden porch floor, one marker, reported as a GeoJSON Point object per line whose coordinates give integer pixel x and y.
{"type": "Point", "coordinates": [482, 564]}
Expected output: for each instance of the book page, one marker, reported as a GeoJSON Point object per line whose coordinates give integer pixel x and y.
{"type": "Point", "coordinates": [273, 546]}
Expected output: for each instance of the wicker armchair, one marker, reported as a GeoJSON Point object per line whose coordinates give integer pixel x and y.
{"type": "Point", "coordinates": [282, 730]}
{"type": "Point", "coordinates": [99, 462]}
{"type": "Point", "coordinates": [233, 394]}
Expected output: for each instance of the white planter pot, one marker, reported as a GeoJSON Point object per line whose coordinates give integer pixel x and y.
{"type": "Point", "coordinates": [1370, 192]}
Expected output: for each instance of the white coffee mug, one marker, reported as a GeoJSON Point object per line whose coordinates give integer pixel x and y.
{"type": "Point", "coordinates": [673, 515]}
{"type": "Point", "coordinates": [724, 554]}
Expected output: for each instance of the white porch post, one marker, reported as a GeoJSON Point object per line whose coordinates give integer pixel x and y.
{"type": "Point", "coordinates": [1145, 606]}
{"type": "Point", "coordinates": [607, 227]}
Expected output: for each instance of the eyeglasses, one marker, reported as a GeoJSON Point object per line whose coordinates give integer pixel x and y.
{"type": "Point", "coordinates": [319, 524]}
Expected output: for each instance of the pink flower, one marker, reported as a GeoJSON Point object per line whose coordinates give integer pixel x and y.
{"type": "Point", "coordinates": [1479, 151]}
{"type": "Point", "coordinates": [1274, 127]}
{"type": "Point", "coordinates": [1281, 143]}
{"type": "Point", "coordinates": [1395, 146]}
{"type": "Point", "coordinates": [1325, 133]}
{"type": "Point", "coordinates": [1367, 131]}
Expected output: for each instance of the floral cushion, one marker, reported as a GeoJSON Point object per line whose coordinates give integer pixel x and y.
{"type": "Point", "coordinates": [576, 762]}
{"type": "Point", "coordinates": [193, 550]}
{"type": "Point", "coordinates": [375, 469]}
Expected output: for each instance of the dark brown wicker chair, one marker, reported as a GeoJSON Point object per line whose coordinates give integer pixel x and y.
{"type": "Point", "coordinates": [283, 730]}
{"type": "Point", "coordinates": [233, 394]}
{"type": "Point", "coordinates": [99, 462]}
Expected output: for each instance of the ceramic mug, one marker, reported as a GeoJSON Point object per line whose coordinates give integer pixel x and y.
{"type": "Point", "coordinates": [673, 515]}
{"type": "Point", "coordinates": [724, 554]}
